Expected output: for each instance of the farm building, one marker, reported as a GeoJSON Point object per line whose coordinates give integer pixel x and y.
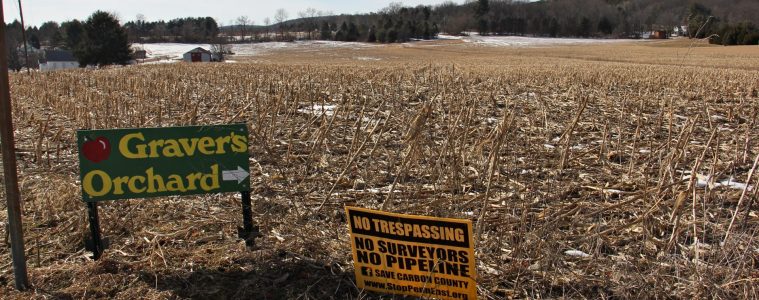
{"type": "Point", "coordinates": [680, 30]}
{"type": "Point", "coordinates": [197, 55]}
{"type": "Point", "coordinates": [58, 60]}
{"type": "Point", "coordinates": [658, 35]}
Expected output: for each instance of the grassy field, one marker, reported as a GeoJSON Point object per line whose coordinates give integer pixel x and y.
{"type": "Point", "coordinates": [593, 171]}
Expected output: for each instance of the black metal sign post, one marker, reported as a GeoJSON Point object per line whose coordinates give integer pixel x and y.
{"type": "Point", "coordinates": [96, 243]}
{"type": "Point", "coordinates": [248, 232]}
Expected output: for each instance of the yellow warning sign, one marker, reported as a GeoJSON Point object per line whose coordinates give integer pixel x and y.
{"type": "Point", "coordinates": [413, 255]}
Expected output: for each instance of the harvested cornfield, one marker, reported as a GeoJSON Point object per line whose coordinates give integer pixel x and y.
{"type": "Point", "coordinates": [585, 178]}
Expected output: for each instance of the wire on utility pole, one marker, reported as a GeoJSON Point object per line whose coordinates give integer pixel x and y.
{"type": "Point", "coordinates": [23, 35]}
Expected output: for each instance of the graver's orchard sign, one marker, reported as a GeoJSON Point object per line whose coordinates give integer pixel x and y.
{"type": "Point", "coordinates": [150, 162]}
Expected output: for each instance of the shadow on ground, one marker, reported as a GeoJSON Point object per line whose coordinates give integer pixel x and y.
{"type": "Point", "coordinates": [287, 278]}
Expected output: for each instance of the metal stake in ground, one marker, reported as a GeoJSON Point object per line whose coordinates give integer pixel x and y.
{"type": "Point", "coordinates": [96, 244]}
{"type": "Point", "coordinates": [9, 165]}
{"type": "Point", "coordinates": [248, 232]}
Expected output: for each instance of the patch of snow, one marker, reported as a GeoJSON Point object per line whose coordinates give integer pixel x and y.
{"type": "Point", "coordinates": [549, 146]}
{"type": "Point", "coordinates": [522, 41]}
{"type": "Point", "coordinates": [172, 50]}
{"type": "Point", "coordinates": [576, 253]}
{"type": "Point", "coordinates": [718, 118]}
{"type": "Point", "coordinates": [579, 147]}
{"type": "Point", "coordinates": [368, 58]}
{"type": "Point", "coordinates": [450, 37]}
{"type": "Point", "coordinates": [265, 48]}
{"type": "Point", "coordinates": [160, 62]}
{"type": "Point", "coordinates": [176, 50]}
{"type": "Point", "coordinates": [703, 181]}
{"type": "Point", "coordinates": [735, 185]}
{"type": "Point", "coordinates": [318, 109]}
{"type": "Point", "coordinates": [613, 191]}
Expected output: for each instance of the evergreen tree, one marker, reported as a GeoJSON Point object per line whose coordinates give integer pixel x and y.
{"type": "Point", "coordinates": [57, 40]}
{"type": "Point", "coordinates": [388, 23]}
{"type": "Point", "coordinates": [11, 48]}
{"type": "Point", "coordinates": [48, 30]}
{"type": "Point", "coordinates": [482, 9]}
{"type": "Point", "coordinates": [744, 33]}
{"type": "Point", "coordinates": [104, 42]}
{"type": "Point", "coordinates": [326, 32]}
{"type": "Point", "coordinates": [392, 36]}
{"type": "Point", "coordinates": [584, 29]}
{"type": "Point", "coordinates": [381, 36]}
{"type": "Point", "coordinates": [34, 41]}
{"type": "Point", "coordinates": [372, 38]}
{"type": "Point", "coordinates": [605, 26]}
{"type": "Point", "coordinates": [73, 32]}
{"type": "Point", "coordinates": [352, 34]}
{"type": "Point", "coordinates": [699, 21]}
{"type": "Point", "coordinates": [553, 27]}
{"type": "Point", "coordinates": [342, 33]}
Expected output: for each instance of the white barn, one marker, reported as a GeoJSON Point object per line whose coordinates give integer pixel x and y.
{"type": "Point", "coordinates": [58, 60]}
{"type": "Point", "coordinates": [197, 55]}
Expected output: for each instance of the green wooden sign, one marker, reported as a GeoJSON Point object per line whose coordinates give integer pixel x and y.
{"type": "Point", "coordinates": [151, 162]}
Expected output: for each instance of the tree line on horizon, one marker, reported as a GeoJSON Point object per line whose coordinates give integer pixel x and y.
{"type": "Point", "coordinates": [100, 40]}
{"type": "Point", "coordinates": [722, 22]}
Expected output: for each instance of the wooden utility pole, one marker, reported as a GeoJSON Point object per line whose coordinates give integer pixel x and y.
{"type": "Point", "coordinates": [9, 165]}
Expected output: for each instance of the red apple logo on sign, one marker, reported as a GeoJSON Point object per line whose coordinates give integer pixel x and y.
{"type": "Point", "coordinates": [97, 150]}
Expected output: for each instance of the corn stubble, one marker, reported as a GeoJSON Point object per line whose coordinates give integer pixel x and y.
{"type": "Point", "coordinates": [575, 174]}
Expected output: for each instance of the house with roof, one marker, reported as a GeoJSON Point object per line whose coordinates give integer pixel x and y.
{"type": "Point", "coordinates": [58, 60]}
{"type": "Point", "coordinates": [197, 55]}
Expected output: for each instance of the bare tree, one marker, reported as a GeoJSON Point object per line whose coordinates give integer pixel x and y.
{"type": "Point", "coordinates": [140, 21]}
{"type": "Point", "coordinates": [220, 49]}
{"type": "Point", "coordinates": [308, 17]}
{"type": "Point", "coordinates": [242, 22]}
{"type": "Point", "coordinates": [306, 22]}
{"type": "Point", "coordinates": [392, 8]}
{"type": "Point", "coordinates": [267, 22]}
{"type": "Point", "coordinates": [311, 14]}
{"type": "Point", "coordinates": [280, 17]}
{"type": "Point", "coordinates": [253, 31]}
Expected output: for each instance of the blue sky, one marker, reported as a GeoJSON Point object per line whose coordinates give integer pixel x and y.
{"type": "Point", "coordinates": [38, 11]}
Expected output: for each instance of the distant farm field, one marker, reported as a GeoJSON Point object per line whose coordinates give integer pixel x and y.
{"type": "Point", "coordinates": [604, 170]}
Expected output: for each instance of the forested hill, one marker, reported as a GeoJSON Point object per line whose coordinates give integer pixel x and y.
{"type": "Point", "coordinates": [557, 18]}
{"type": "Point", "coordinates": [727, 22]}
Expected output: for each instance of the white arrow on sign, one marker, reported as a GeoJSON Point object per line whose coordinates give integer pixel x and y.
{"type": "Point", "coordinates": [239, 175]}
